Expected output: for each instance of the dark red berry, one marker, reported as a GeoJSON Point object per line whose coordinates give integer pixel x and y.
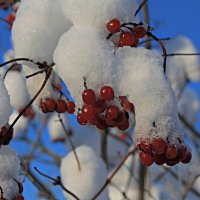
{"type": "Point", "coordinates": [100, 106]}
{"type": "Point", "coordinates": [171, 151]}
{"type": "Point", "coordinates": [187, 158]}
{"type": "Point", "coordinates": [123, 126]}
{"type": "Point", "coordinates": [182, 152]}
{"type": "Point", "coordinates": [70, 107]}
{"type": "Point", "coordinates": [136, 41]}
{"type": "Point", "coordinates": [111, 122]}
{"type": "Point", "coordinates": [172, 162]}
{"type": "Point", "coordinates": [107, 93]}
{"type": "Point", "coordinates": [89, 97]}
{"type": "Point", "coordinates": [114, 26]}
{"type": "Point", "coordinates": [145, 145]}
{"type": "Point", "coordinates": [61, 106]}
{"type": "Point", "coordinates": [88, 112]}
{"type": "Point", "coordinates": [100, 123]}
{"type": "Point", "coordinates": [81, 120]}
{"type": "Point", "coordinates": [126, 104]}
{"type": "Point", "coordinates": [112, 112]}
{"type": "Point", "coordinates": [50, 104]}
{"type": "Point", "coordinates": [122, 118]}
{"type": "Point", "coordinates": [128, 39]}
{"type": "Point", "coordinates": [159, 159]}
{"type": "Point", "coordinates": [159, 146]}
{"type": "Point", "coordinates": [43, 106]}
{"type": "Point", "coordinates": [140, 31]}
{"type": "Point", "coordinates": [146, 158]}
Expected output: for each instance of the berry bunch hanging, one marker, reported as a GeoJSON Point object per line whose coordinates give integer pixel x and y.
{"type": "Point", "coordinates": [104, 112]}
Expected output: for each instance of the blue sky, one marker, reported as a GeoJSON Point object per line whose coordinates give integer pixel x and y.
{"type": "Point", "coordinates": [169, 18]}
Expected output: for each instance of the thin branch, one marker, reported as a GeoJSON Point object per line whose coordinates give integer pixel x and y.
{"type": "Point", "coordinates": [183, 54]}
{"type": "Point", "coordinates": [71, 143]}
{"type": "Point", "coordinates": [140, 7]}
{"type": "Point", "coordinates": [36, 73]}
{"type": "Point", "coordinates": [57, 182]}
{"type": "Point", "coordinates": [17, 59]}
{"type": "Point", "coordinates": [10, 68]}
{"type": "Point", "coordinates": [109, 179]}
{"type": "Point", "coordinates": [104, 145]}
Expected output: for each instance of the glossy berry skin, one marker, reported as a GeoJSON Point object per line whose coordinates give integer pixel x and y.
{"type": "Point", "coordinates": [187, 158]}
{"type": "Point", "coordinates": [114, 26]}
{"type": "Point", "coordinates": [145, 145]}
{"type": "Point", "coordinates": [146, 158]}
{"type": "Point", "coordinates": [89, 97]}
{"type": "Point", "coordinates": [112, 112]}
{"type": "Point", "coordinates": [81, 120]}
{"type": "Point", "coordinates": [159, 159]}
{"type": "Point", "coordinates": [140, 31]}
{"type": "Point", "coordinates": [88, 112]}
{"type": "Point", "coordinates": [61, 106]}
{"type": "Point", "coordinates": [100, 106]}
{"type": "Point", "coordinates": [126, 39]}
{"type": "Point", "coordinates": [50, 104]}
{"type": "Point", "coordinates": [70, 107]}
{"type": "Point", "coordinates": [159, 146]}
{"type": "Point", "coordinates": [107, 93]}
{"type": "Point", "coordinates": [171, 151]}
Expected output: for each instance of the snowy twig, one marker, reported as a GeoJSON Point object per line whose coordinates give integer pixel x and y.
{"type": "Point", "coordinates": [70, 141]}
{"type": "Point", "coordinates": [57, 181]}
{"type": "Point", "coordinates": [109, 179]}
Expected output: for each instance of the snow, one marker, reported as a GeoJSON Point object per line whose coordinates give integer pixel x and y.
{"type": "Point", "coordinates": [95, 14]}
{"type": "Point", "coordinates": [5, 107]}
{"type": "Point", "coordinates": [9, 163]}
{"type": "Point", "coordinates": [85, 183]}
{"type": "Point", "coordinates": [21, 124]}
{"type": "Point", "coordinates": [142, 78]}
{"type": "Point", "coordinates": [181, 68]}
{"type": "Point", "coordinates": [9, 187]}
{"type": "Point", "coordinates": [37, 28]}
{"type": "Point", "coordinates": [56, 130]}
{"type": "Point", "coordinates": [18, 97]}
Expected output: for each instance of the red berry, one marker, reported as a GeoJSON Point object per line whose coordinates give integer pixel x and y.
{"type": "Point", "coordinates": [159, 146]}
{"type": "Point", "coordinates": [182, 152]}
{"type": "Point", "coordinates": [128, 39]}
{"type": "Point", "coordinates": [43, 106]}
{"type": "Point", "coordinates": [81, 120]}
{"type": "Point", "coordinates": [187, 158]}
{"type": "Point", "coordinates": [145, 145]}
{"type": "Point", "coordinates": [88, 112]}
{"type": "Point", "coordinates": [70, 107]}
{"type": "Point", "coordinates": [159, 159]}
{"type": "Point", "coordinates": [146, 158]}
{"type": "Point", "coordinates": [11, 18]}
{"type": "Point", "coordinates": [100, 106]}
{"type": "Point", "coordinates": [3, 131]}
{"type": "Point", "coordinates": [89, 97]}
{"type": "Point", "coordinates": [136, 41]}
{"type": "Point", "coordinates": [114, 26]}
{"type": "Point", "coordinates": [122, 137]}
{"type": "Point", "coordinates": [50, 104]}
{"type": "Point", "coordinates": [61, 106]}
{"type": "Point", "coordinates": [140, 31]}
{"type": "Point", "coordinates": [172, 162]}
{"type": "Point", "coordinates": [122, 117]}
{"type": "Point", "coordinates": [111, 122]}
{"type": "Point", "coordinates": [123, 126]}
{"type": "Point", "coordinates": [126, 104]}
{"type": "Point", "coordinates": [112, 112]}
{"type": "Point", "coordinates": [107, 93]}
{"type": "Point", "coordinates": [100, 123]}
{"type": "Point", "coordinates": [171, 151]}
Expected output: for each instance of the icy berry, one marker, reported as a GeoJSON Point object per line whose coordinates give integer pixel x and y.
{"type": "Point", "coordinates": [171, 151]}
{"type": "Point", "coordinates": [114, 26]}
{"type": "Point", "coordinates": [145, 145]}
{"type": "Point", "coordinates": [88, 112]}
{"type": "Point", "coordinates": [81, 120]}
{"type": "Point", "coordinates": [128, 39]}
{"type": "Point", "coordinates": [107, 93]}
{"type": "Point", "coordinates": [70, 107]}
{"type": "Point", "coordinates": [61, 106]}
{"type": "Point", "coordinates": [159, 146]}
{"type": "Point", "coordinates": [100, 106]}
{"type": "Point", "coordinates": [89, 97]}
{"type": "Point", "coordinates": [146, 158]}
{"type": "Point", "coordinates": [140, 31]}
{"type": "Point", "coordinates": [159, 159]}
{"type": "Point", "coordinates": [112, 112]}
{"type": "Point", "coordinates": [187, 158]}
{"type": "Point", "coordinates": [50, 104]}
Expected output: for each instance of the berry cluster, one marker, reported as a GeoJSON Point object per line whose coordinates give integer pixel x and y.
{"type": "Point", "coordinates": [29, 113]}
{"type": "Point", "coordinates": [130, 36]}
{"type": "Point", "coordinates": [103, 112]}
{"type": "Point", "coordinates": [5, 137]}
{"type": "Point", "coordinates": [160, 151]}
{"type": "Point", "coordinates": [60, 106]}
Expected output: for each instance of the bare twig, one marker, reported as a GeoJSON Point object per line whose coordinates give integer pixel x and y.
{"type": "Point", "coordinates": [57, 181]}
{"type": "Point", "coordinates": [140, 7]}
